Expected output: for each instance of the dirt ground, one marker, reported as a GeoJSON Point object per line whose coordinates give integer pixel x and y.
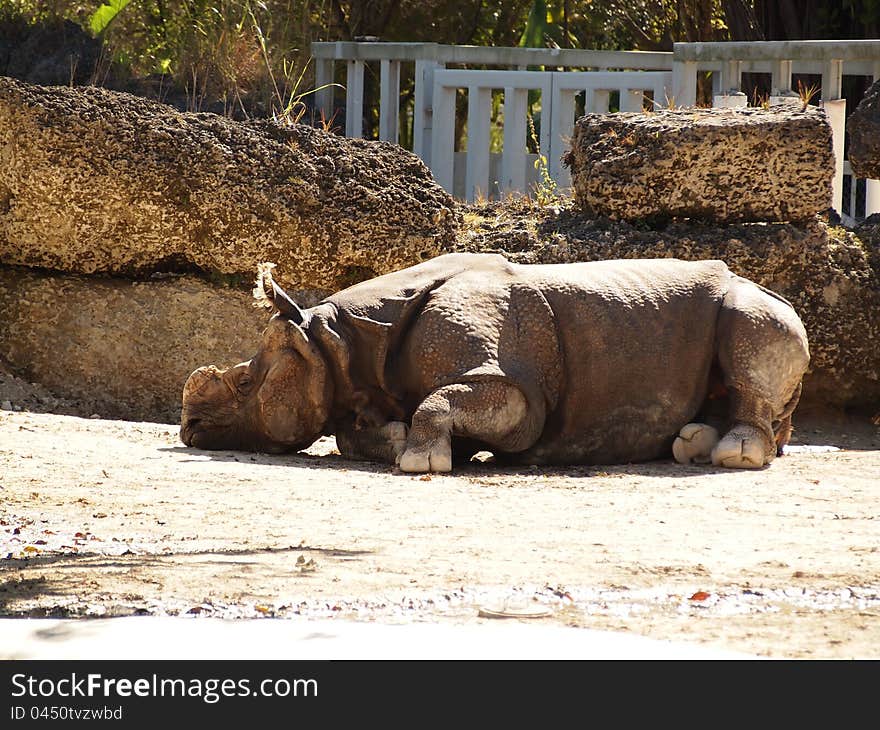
{"type": "Point", "coordinates": [110, 518]}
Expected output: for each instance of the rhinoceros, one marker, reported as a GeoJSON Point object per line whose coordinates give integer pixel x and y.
{"type": "Point", "coordinates": [583, 363]}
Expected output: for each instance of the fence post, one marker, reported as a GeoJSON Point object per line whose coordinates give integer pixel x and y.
{"type": "Point", "coordinates": [780, 78]}
{"type": "Point", "coordinates": [423, 108]}
{"type": "Point", "coordinates": [324, 69]}
{"type": "Point", "coordinates": [872, 197]}
{"type": "Point", "coordinates": [546, 119]}
{"type": "Point", "coordinates": [872, 187]}
{"type": "Point", "coordinates": [513, 158]}
{"type": "Point", "coordinates": [478, 119]}
{"type": "Point", "coordinates": [443, 139]}
{"type": "Point", "coordinates": [832, 80]}
{"type": "Point", "coordinates": [561, 128]}
{"type": "Point", "coordinates": [389, 100]}
{"type": "Point", "coordinates": [730, 78]}
{"type": "Point", "coordinates": [835, 109]}
{"type": "Point", "coordinates": [684, 83]}
{"type": "Point", "coordinates": [354, 99]}
{"type": "Point", "coordinates": [596, 101]}
{"type": "Point", "coordinates": [631, 100]}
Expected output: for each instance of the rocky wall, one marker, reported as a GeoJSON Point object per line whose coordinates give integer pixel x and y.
{"type": "Point", "coordinates": [121, 349]}
{"type": "Point", "coordinates": [721, 165]}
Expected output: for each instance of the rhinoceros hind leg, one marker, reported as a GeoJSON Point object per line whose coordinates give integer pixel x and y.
{"type": "Point", "coordinates": [743, 447]}
{"type": "Point", "coordinates": [763, 354]}
{"type": "Point", "coordinates": [694, 444]}
{"type": "Point", "coordinates": [491, 412]}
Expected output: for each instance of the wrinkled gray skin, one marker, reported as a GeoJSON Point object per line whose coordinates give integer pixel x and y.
{"type": "Point", "coordinates": [588, 363]}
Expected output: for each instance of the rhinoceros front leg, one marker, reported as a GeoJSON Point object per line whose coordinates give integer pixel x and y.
{"type": "Point", "coordinates": [493, 412]}
{"type": "Point", "coordinates": [383, 443]}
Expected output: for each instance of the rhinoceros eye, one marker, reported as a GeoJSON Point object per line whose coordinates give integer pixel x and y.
{"type": "Point", "coordinates": [245, 381]}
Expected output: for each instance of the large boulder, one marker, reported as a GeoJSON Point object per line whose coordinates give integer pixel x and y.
{"type": "Point", "coordinates": [95, 181]}
{"type": "Point", "coordinates": [722, 165]}
{"type": "Point", "coordinates": [830, 275]}
{"type": "Point", "coordinates": [863, 127]}
{"type": "Point", "coordinates": [119, 348]}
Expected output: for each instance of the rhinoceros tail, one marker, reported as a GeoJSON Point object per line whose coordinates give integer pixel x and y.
{"type": "Point", "coordinates": [770, 292]}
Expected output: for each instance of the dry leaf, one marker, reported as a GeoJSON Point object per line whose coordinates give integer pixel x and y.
{"type": "Point", "coordinates": [30, 549]}
{"type": "Point", "coordinates": [700, 596]}
{"type": "Point", "coordinates": [262, 609]}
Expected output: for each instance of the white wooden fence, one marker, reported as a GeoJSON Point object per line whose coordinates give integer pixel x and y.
{"type": "Point", "coordinates": [660, 78]}
{"type": "Point", "coordinates": [558, 90]}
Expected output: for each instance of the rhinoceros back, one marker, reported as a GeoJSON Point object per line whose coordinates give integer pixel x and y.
{"type": "Point", "coordinates": [637, 340]}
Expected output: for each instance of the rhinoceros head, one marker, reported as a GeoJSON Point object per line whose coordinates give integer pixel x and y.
{"type": "Point", "coordinates": [277, 401]}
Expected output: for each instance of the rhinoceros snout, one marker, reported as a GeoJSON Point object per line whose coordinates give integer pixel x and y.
{"type": "Point", "coordinates": [197, 393]}
{"type": "Point", "coordinates": [188, 428]}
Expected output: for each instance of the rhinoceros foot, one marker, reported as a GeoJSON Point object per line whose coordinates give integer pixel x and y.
{"type": "Point", "coordinates": [434, 455]}
{"type": "Point", "coordinates": [694, 444]}
{"type": "Point", "coordinates": [743, 447]}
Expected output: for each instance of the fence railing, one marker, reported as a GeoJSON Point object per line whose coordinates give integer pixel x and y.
{"type": "Point", "coordinates": [429, 57]}
{"type": "Point", "coordinates": [632, 77]}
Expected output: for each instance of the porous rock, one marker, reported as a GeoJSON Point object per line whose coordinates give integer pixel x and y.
{"type": "Point", "coordinates": [122, 349]}
{"type": "Point", "coordinates": [830, 275]}
{"type": "Point", "coordinates": [96, 181]}
{"type": "Point", "coordinates": [863, 127]}
{"type": "Point", "coordinates": [722, 165]}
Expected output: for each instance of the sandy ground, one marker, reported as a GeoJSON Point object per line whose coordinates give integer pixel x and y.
{"type": "Point", "coordinates": [111, 518]}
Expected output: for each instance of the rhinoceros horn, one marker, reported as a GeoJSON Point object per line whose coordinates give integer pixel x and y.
{"type": "Point", "coordinates": [267, 292]}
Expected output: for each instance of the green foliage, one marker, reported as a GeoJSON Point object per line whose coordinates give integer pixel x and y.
{"type": "Point", "coordinates": [536, 26]}
{"type": "Point", "coordinates": [104, 15]}
{"type": "Point", "coordinates": [250, 57]}
{"type": "Point", "coordinates": [545, 191]}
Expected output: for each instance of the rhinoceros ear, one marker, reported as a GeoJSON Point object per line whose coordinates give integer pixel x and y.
{"type": "Point", "coordinates": [271, 296]}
